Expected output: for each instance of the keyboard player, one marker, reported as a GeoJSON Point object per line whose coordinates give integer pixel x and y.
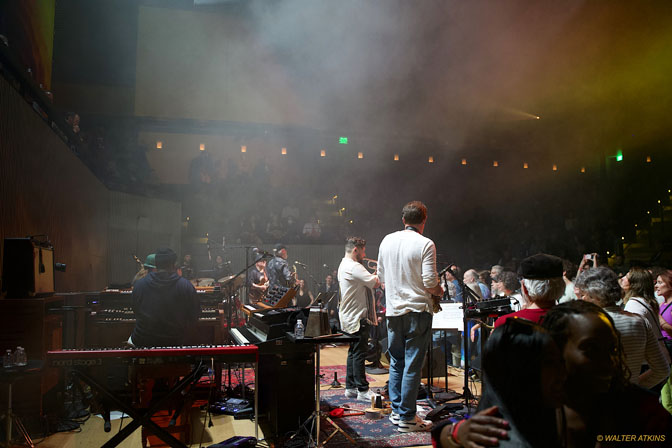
{"type": "Point", "coordinates": [165, 305]}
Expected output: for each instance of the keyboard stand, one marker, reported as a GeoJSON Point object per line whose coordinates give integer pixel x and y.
{"type": "Point", "coordinates": [142, 419]}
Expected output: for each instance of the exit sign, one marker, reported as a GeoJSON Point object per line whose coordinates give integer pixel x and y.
{"type": "Point", "coordinates": [343, 140]}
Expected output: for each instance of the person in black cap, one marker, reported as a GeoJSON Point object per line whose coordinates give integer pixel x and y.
{"type": "Point", "coordinates": [257, 280]}
{"type": "Point", "coordinates": [165, 305]}
{"type": "Point", "coordinates": [541, 285]}
{"type": "Point", "coordinates": [278, 270]}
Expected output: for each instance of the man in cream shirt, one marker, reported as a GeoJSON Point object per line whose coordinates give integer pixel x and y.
{"type": "Point", "coordinates": [355, 314]}
{"type": "Point", "coordinates": [407, 270]}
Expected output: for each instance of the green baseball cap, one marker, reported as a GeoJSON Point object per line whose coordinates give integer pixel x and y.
{"type": "Point", "coordinates": [150, 261]}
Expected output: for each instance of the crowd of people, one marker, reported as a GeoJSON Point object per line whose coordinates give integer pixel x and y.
{"type": "Point", "coordinates": [572, 369]}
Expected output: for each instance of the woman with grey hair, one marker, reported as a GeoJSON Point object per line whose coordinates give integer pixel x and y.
{"type": "Point", "coordinates": [600, 286]}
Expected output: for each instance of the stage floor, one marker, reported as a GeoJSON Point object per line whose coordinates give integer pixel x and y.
{"type": "Point", "coordinates": [224, 426]}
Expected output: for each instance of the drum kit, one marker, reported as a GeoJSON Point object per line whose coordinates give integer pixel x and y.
{"type": "Point", "coordinates": [230, 282]}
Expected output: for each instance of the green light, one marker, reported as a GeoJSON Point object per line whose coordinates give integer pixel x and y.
{"type": "Point", "coordinates": [343, 140]}
{"type": "Point", "coordinates": [619, 156]}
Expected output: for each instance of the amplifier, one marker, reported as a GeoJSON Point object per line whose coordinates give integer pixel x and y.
{"type": "Point", "coordinates": [27, 268]}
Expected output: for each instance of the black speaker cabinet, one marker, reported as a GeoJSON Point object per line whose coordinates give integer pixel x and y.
{"type": "Point", "coordinates": [27, 268]}
{"type": "Point", "coordinates": [286, 390]}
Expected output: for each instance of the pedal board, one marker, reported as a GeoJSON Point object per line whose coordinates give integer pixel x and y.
{"type": "Point", "coordinates": [237, 407]}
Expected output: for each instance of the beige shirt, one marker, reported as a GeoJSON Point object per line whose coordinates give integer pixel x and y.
{"type": "Point", "coordinates": [353, 280]}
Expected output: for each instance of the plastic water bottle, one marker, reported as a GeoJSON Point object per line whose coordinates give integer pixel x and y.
{"type": "Point", "coordinates": [20, 357]}
{"type": "Point", "coordinates": [298, 329]}
{"type": "Point", "coordinates": [7, 359]}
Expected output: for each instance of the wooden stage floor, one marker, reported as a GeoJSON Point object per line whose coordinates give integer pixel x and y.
{"type": "Point", "coordinates": [224, 426]}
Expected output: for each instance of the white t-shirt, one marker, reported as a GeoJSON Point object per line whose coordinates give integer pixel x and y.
{"type": "Point", "coordinates": [353, 280]}
{"type": "Point", "coordinates": [407, 267]}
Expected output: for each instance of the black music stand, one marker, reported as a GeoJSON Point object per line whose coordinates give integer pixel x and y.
{"type": "Point", "coordinates": [314, 418]}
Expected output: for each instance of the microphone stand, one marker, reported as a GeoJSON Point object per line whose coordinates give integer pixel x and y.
{"type": "Point", "coordinates": [309, 274]}
{"type": "Point", "coordinates": [472, 298]}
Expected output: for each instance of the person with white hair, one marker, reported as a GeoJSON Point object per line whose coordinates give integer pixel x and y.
{"type": "Point", "coordinates": [541, 285]}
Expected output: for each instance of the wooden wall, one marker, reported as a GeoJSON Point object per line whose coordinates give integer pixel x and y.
{"type": "Point", "coordinates": [45, 188]}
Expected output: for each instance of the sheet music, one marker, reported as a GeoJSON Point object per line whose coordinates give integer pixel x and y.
{"type": "Point", "coordinates": [449, 318]}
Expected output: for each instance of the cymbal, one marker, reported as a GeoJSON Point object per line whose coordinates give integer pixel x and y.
{"type": "Point", "coordinates": [237, 283]}
{"type": "Point", "coordinates": [203, 281]}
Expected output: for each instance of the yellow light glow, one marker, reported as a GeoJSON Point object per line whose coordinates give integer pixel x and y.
{"type": "Point", "coordinates": [495, 163]}
{"type": "Point", "coordinates": [360, 155]}
{"type": "Point", "coordinates": [159, 145]}
{"type": "Point", "coordinates": [648, 159]}
{"type": "Point", "coordinates": [431, 159]}
{"type": "Point", "coordinates": [202, 147]}
{"type": "Point", "coordinates": [283, 151]}
{"type": "Point", "coordinates": [243, 148]}
{"type": "Point", "coordinates": [555, 167]}
{"type": "Point", "coordinates": [464, 161]}
{"type": "Point", "coordinates": [525, 165]}
{"type": "Point", "coordinates": [323, 153]}
{"type": "Point", "coordinates": [583, 169]}
{"type": "Point", "coordinates": [396, 157]}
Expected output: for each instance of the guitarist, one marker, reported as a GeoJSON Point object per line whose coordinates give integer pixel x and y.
{"type": "Point", "coordinates": [407, 269]}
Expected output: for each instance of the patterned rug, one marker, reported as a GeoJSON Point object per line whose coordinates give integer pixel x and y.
{"type": "Point", "coordinates": [327, 378]}
{"type": "Point", "coordinates": [367, 433]}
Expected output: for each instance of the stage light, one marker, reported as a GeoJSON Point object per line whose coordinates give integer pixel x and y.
{"type": "Point", "coordinates": [623, 238]}
{"type": "Point", "coordinates": [537, 117]}
{"type": "Point", "coordinates": [431, 159]}
{"type": "Point", "coordinates": [495, 163]}
{"type": "Point", "coordinates": [283, 151]}
{"type": "Point", "coordinates": [188, 218]}
{"type": "Point", "coordinates": [202, 147]}
{"type": "Point", "coordinates": [343, 140]}
{"type": "Point", "coordinates": [619, 156]}
{"type": "Point", "coordinates": [648, 159]}
{"type": "Point", "coordinates": [555, 167]}
{"type": "Point", "coordinates": [648, 212]}
{"type": "Point", "coordinates": [583, 169]}
{"type": "Point", "coordinates": [243, 148]}
{"type": "Point", "coordinates": [159, 145]}
{"type": "Point", "coordinates": [525, 165]}
{"type": "Point", "coordinates": [323, 153]}
{"type": "Point", "coordinates": [659, 201]}
{"type": "Point", "coordinates": [464, 161]}
{"type": "Point", "coordinates": [360, 155]}
{"type": "Point", "coordinates": [396, 157]}
{"type": "Point", "coordinates": [352, 222]}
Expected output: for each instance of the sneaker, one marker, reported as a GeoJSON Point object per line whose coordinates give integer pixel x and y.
{"type": "Point", "coordinates": [365, 396]}
{"type": "Point", "coordinates": [394, 418]}
{"type": "Point", "coordinates": [414, 425]}
{"type": "Point", "coordinates": [351, 393]}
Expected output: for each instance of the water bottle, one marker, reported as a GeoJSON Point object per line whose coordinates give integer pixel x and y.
{"type": "Point", "coordinates": [298, 329]}
{"type": "Point", "coordinates": [7, 360]}
{"type": "Point", "coordinates": [20, 357]}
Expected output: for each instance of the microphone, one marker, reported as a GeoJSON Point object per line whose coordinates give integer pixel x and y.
{"type": "Point", "coordinates": [300, 264]}
{"type": "Point", "coordinates": [447, 269]}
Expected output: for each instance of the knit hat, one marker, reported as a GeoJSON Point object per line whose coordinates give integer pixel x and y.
{"type": "Point", "coordinates": [164, 258]}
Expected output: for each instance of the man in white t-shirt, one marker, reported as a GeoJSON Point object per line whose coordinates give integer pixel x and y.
{"type": "Point", "coordinates": [407, 270]}
{"type": "Point", "coordinates": [356, 314]}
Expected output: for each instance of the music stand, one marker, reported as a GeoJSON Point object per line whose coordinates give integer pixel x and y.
{"type": "Point", "coordinates": [315, 416]}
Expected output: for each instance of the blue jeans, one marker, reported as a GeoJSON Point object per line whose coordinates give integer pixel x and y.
{"type": "Point", "coordinates": [408, 338]}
